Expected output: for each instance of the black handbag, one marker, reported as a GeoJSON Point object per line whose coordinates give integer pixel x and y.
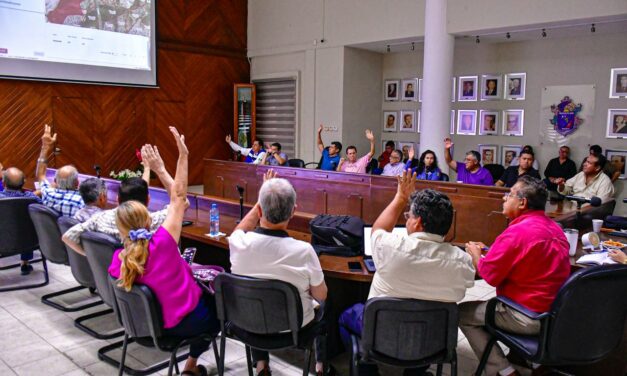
{"type": "Point", "coordinates": [340, 235]}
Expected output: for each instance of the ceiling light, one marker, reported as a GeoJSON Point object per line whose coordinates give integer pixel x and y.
{"type": "Point", "coordinates": [477, 40]}
{"type": "Point", "coordinates": [388, 49]}
{"type": "Point", "coordinates": [543, 33]}
{"type": "Point", "coordinates": [508, 35]}
{"type": "Point", "coordinates": [593, 29]}
{"type": "Point", "coordinates": [413, 47]}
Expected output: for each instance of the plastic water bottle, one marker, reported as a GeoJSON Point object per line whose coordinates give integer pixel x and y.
{"type": "Point", "coordinates": [214, 220]}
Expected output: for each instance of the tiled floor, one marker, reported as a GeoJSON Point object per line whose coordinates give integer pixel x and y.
{"type": "Point", "coordinates": [37, 339]}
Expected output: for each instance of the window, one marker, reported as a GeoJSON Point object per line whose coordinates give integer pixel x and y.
{"type": "Point", "coordinates": [276, 113]}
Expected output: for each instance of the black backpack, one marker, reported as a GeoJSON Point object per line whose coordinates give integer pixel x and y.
{"type": "Point", "coordinates": [340, 235]}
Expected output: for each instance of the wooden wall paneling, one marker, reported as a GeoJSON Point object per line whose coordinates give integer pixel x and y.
{"type": "Point", "coordinates": [120, 135]}
{"type": "Point", "coordinates": [73, 122]}
{"type": "Point", "coordinates": [166, 114]}
{"type": "Point", "coordinates": [216, 22]}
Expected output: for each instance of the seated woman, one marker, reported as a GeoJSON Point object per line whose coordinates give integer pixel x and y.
{"type": "Point", "coordinates": [154, 260]}
{"type": "Point", "coordinates": [426, 168]}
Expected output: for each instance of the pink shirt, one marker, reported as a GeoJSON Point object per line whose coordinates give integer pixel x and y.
{"type": "Point", "coordinates": [168, 276]}
{"type": "Point", "coordinates": [358, 167]}
{"type": "Point", "coordinates": [528, 262]}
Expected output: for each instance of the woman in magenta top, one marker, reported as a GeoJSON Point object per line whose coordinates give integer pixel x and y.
{"type": "Point", "coordinates": [154, 260]}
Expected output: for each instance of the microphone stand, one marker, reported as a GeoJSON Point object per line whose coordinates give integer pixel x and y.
{"type": "Point", "coordinates": [240, 190]}
{"type": "Point", "coordinates": [97, 168]}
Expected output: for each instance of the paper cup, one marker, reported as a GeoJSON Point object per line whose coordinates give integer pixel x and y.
{"type": "Point", "coordinates": [572, 235]}
{"type": "Point", "coordinates": [596, 225]}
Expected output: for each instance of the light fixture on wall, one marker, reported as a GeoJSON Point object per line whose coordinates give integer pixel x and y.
{"type": "Point", "coordinates": [508, 35]}
{"type": "Point", "coordinates": [543, 33]}
{"type": "Point", "coordinates": [593, 29]}
{"type": "Point", "coordinates": [413, 46]}
{"type": "Point", "coordinates": [477, 40]}
{"type": "Point", "coordinates": [388, 48]}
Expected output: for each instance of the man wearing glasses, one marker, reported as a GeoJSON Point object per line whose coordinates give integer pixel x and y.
{"type": "Point", "coordinates": [469, 171]}
{"type": "Point", "coordinates": [527, 263]}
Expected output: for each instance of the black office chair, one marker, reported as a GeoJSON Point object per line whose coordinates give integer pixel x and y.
{"type": "Point", "coordinates": [18, 236]}
{"type": "Point", "coordinates": [264, 314]}
{"type": "Point", "coordinates": [52, 247]}
{"type": "Point", "coordinates": [316, 164]}
{"type": "Point", "coordinates": [83, 275]}
{"type": "Point", "coordinates": [407, 333]}
{"type": "Point", "coordinates": [496, 170]}
{"type": "Point", "coordinates": [140, 314]}
{"type": "Point", "coordinates": [296, 163]}
{"type": "Point", "coordinates": [585, 322]}
{"type": "Point", "coordinates": [444, 177]}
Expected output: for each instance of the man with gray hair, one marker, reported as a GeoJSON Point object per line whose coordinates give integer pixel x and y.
{"type": "Point", "coordinates": [63, 196]}
{"type": "Point", "coordinates": [94, 194]}
{"type": "Point", "coordinates": [269, 252]}
{"type": "Point", "coordinates": [13, 182]}
{"type": "Point", "coordinates": [469, 171]}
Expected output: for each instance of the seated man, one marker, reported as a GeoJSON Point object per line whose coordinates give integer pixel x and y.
{"type": "Point", "coordinates": [384, 158]}
{"type": "Point", "coordinates": [560, 167]}
{"type": "Point", "coordinates": [591, 181]}
{"type": "Point", "coordinates": [64, 196]}
{"type": "Point", "coordinates": [523, 168]}
{"type": "Point", "coordinates": [527, 263]}
{"type": "Point", "coordinates": [469, 171]}
{"type": "Point", "coordinates": [274, 156]}
{"type": "Point", "coordinates": [268, 251]}
{"type": "Point", "coordinates": [396, 166]}
{"type": "Point", "coordinates": [330, 156]}
{"type": "Point", "coordinates": [526, 148]}
{"type": "Point", "coordinates": [13, 183]}
{"type": "Point", "coordinates": [94, 194]}
{"type": "Point", "coordinates": [253, 155]}
{"type": "Point", "coordinates": [352, 164]}
{"type": "Point", "coordinates": [420, 265]}
{"type": "Point", "coordinates": [130, 189]}
{"type": "Point", "coordinates": [606, 167]}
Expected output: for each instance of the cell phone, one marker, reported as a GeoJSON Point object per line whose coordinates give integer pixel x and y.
{"type": "Point", "coordinates": [188, 255]}
{"type": "Point", "coordinates": [354, 266]}
{"type": "Point", "coordinates": [187, 223]}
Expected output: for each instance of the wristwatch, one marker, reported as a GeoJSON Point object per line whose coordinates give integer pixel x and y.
{"type": "Point", "coordinates": [42, 160]}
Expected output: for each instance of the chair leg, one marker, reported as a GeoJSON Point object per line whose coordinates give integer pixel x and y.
{"type": "Point", "coordinates": [307, 361]}
{"type": "Point", "coordinates": [215, 352]}
{"type": "Point", "coordinates": [104, 356]}
{"type": "Point", "coordinates": [78, 322]}
{"type": "Point", "coordinates": [46, 300]}
{"type": "Point", "coordinates": [439, 370]}
{"type": "Point", "coordinates": [484, 357]}
{"type": "Point", "coordinates": [222, 354]}
{"type": "Point", "coordinates": [172, 362]}
{"type": "Point", "coordinates": [30, 286]}
{"type": "Point", "coordinates": [124, 346]}
{"type": "Point", "coordinates": [249, 361]}
{"type": "Point", "coordinates": [454, 364]}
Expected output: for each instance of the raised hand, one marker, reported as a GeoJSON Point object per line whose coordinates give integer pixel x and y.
{"type": "Point", "coordinates": [320, 128]}
{"type": "Point", "coordinates": [228, 139]}
{"type": "Point", "coordinates": [406, 184]}
{"type": "Point", "coordinates": [411, 153]}
{"type": "Point", "coordinates": [180, 141]}
{"type": "Point", "coordinates": [47, 140]}
{"type": "Point", "coordinates": [448, 143]}
{"type": "Point", "coordinates": [270, 174]}
{"type": "Point", "coordinates": [151, 158]}
{"type": "Point", "coordinates": [369, 135]}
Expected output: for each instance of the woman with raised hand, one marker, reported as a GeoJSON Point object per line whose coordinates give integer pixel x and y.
{"type": "Point", "coordinates": [427, 168]}
{"type": "Point", "coordinates": [154, 260]}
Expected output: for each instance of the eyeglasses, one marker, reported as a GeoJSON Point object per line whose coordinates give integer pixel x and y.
{"type": "Point", "coordinates": [507, 195]}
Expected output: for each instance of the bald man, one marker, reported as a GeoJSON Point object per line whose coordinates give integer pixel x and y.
{"type": "Point", "coordinates": [13, 179]}
{"type": "Point", "coordinates": [63, 196]}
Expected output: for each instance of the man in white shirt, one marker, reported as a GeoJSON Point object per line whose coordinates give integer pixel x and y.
{"type": "Point", "coordinates": [253, 155]}
{"type": "Point", "coordinates": [269, 252]}
{"type": "Point", "coordinates": [420, 265]}
{"type": "Point", "coordinates": [591, 181]}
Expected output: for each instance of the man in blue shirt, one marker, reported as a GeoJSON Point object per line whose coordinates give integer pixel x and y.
{"type": "Point", "coordinates": [253, 155]}
{"type": "Point", "coordinates": [331, 155]}
{"type": "Point", "coordinates": [14, 181]}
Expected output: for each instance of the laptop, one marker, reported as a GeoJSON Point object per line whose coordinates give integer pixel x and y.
{"type": "Point", "coordinates": [368, 262]}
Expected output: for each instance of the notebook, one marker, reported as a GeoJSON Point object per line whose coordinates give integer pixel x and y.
{"type": "Point", "coordinates": [599, 258]}
{"type": "Point", "coordinates": [401, 230]}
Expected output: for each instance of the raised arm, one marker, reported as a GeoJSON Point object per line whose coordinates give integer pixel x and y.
{"type": "Point", "coordinates": [319, 141]}
{"type": "Point", "coordinates": [153, 161]}
{"type": "Point", "coordinates": [178, 196]}
{"type": "Point", "coordinates": [146, 173]}
{"type": "Point", "coordinates": [339, 165]}
{"type": "Point", "coordinates": [47, 143]}
{"type": "Point", "coordinates": [388, 218]}
{"type": "Point", "coordinates": [370, 138]}
{"type": "Point", "coordinates": [278, 157]}
{"type": "Point", "coordinates": [447, 154]}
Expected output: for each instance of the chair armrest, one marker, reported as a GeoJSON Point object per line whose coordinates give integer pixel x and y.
{"type": "Point", "coordinates": [491, 309]}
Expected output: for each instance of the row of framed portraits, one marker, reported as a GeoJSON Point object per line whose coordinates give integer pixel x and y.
{"type": "Point", "coordinates": [510, 122]}
{"type": "Point", "coordinates": [510, 86]}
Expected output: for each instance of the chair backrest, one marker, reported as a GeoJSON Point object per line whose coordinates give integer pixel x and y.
{"type": "Point", "coordinates": [100, 248]}
{"type": "Point", "coordinates": [138, 310]}
{"type": "Point", "coordinates": [50, 243]}
{"type": "Point", "coordinates": [444, 177]}
{"type": "Point", "coordinates": [260, 306]}
{"type": "Point", "coordinates": [496, 170]}
{"type": "Point", "coordinates": [18, 232]}
{"type": "Point", "coordinates": [78, 263]}
{"type": "Point", "coordinates": [407, 332]}
{"type": "Point", "coordinates": [296, 163]}
{"type": "Point", "coordinates": [588, 315]}
{"type": "Point", "coordinates": [372, 165]}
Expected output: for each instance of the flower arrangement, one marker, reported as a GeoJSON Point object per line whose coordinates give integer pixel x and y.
{"type": "Point", "coordinates": [126, 174]}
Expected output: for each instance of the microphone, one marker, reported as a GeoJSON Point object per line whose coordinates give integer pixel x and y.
{"type": "Point", "coordinates": [593, 201]}
{"type": "Point", "coordinates": [240, 190]}
{"type": "Point", "coordinates": [97, 168]}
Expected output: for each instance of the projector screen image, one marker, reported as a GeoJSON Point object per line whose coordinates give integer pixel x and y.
{"type": "Point", "coordinates": [95, 41]}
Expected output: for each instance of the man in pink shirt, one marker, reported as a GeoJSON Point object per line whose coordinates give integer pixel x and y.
{"type": "Point", "coordinates": [528, 263]}
{"type": "Point", "coordinates": [351, 163]}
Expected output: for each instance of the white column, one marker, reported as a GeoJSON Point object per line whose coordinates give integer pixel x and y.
{"type": "Point", "coordinates": [435, 117]}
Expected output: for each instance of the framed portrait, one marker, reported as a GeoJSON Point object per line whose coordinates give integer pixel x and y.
{"type": "Point", "coordinates": [410, 90]}
{"type": "Point", "coordinates": [617, 158]}
{"type": "Point", "coordinates": [390, 121]}
{"type": "Point", "coordinates": [508, 153]}
{"type": "Point", "coordinates": [491, 87]}
{"type": "Point", "coordinates": [513, 122]}
{"type": "Point", "coordinates": [391, 89]}
{"type": "Point", "coordinates": [407, 121]}
{"type": "Point", "coordinates": [516, 84]}
{"type": "Point", "coordinates": [489, 154]}
{"type": "Point", "coordinates": [488, 122]}
{"type": "Point", "coordinates": [467, 122]}
{"type": "Point", "coordinates": [616, 123]}
{"type": "Point", "coordinates": [453, 92]}
{"type": "Point", "coordinates": [467, 88]}
{"type": "Point", "coordinates": [452, 131]}
{"type": "Point", "coordinates": [618, 83]}
{"type": "Point", "coordinates": [420, 90]}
